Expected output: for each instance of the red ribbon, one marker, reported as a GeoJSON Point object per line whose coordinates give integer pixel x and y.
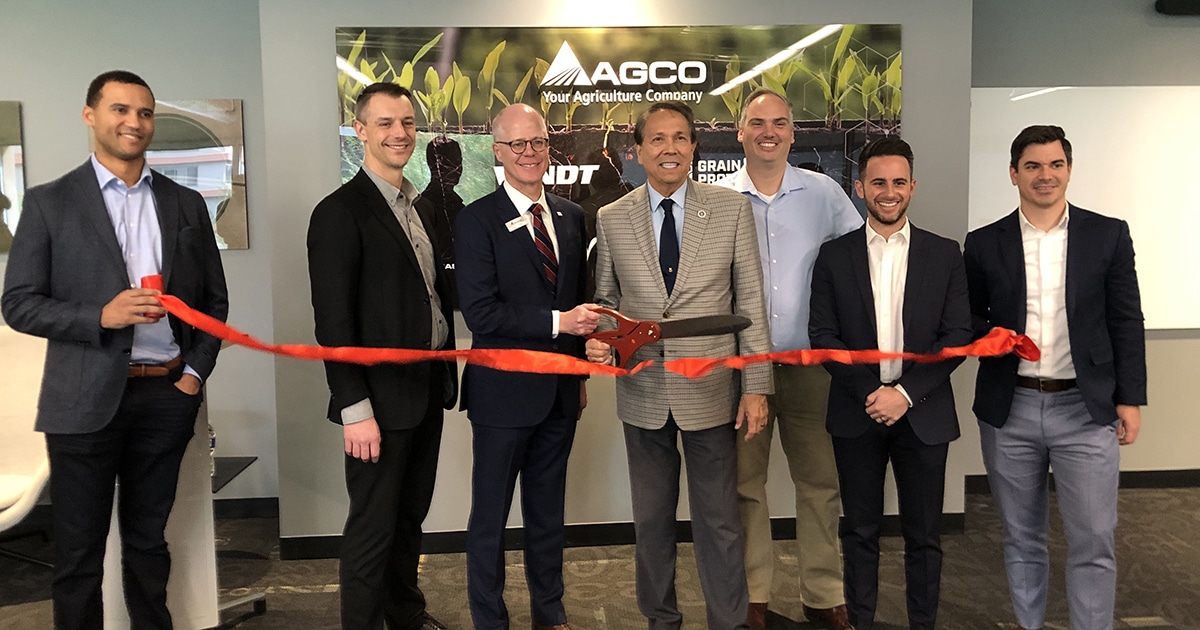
{"type": "Point", "coordinates": [998, 342]}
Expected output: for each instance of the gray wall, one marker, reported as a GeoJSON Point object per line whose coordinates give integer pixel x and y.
{"type": "Point", "coordinates": [1082, 42]}
{"type": "Point", "coordinates": [53, 48]}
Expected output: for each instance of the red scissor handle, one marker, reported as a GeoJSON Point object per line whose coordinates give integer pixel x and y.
{"type": "Point", "coordinates": [629, 336]}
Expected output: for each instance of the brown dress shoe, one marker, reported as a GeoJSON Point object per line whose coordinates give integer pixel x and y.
{"type": "Point", "coordinates": [756, 616]}
{"type": "Point", "coordinates": [561, 626]}
{"type": "Point", "coordinates": [833, 618]}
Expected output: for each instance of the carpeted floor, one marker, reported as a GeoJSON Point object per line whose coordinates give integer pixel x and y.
{"type": "Point", "coordinates": [1158, 583]}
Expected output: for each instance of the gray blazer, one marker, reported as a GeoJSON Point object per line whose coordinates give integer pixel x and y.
{"type": "Point", "coordinates": [719, 273]}
{"type": "Point", "coordinates": [65, 265]}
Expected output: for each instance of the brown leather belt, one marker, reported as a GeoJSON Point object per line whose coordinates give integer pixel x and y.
{"type": "Point", "coordinates": [1047, 385]}
{"type": "Point", "coordinates": [140, 370]}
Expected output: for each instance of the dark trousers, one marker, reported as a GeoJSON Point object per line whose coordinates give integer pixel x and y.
{"type": "Point", "coordinates": [539, 454]}
{"type": "Point", "coordinates": [381, 543]}
{"type": "Point", "coordinates": [711, 459]}
{"type": "Point", "coordinates": [141, 448]}
{"type": "Point", "coordinates": [920, 471]}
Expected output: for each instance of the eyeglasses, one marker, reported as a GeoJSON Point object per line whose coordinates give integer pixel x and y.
{"type": "Point", "coordinates": [518, 146]}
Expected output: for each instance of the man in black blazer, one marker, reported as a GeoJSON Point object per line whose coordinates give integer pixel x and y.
{"type": "Point", "coordinates": [892, 286]}
{"type": "Point", "coordinates": [1065, 277]}
{"type": "Point", "coordinates": [376, 282]}
{"type": "Point", "coordinates": [122, 382]}
{"type": "Point", "coordinates": [522, 279]}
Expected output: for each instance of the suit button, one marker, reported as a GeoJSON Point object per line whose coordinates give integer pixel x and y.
{"type": "Point", "coordinates": [427, 300]}
{"type": "Point", "coordinates": [127, 351]}
{"type": "Point", "coordinates": [666, 314]}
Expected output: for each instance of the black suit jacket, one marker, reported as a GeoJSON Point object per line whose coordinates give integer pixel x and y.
{"type": "Point", "coordinates": [507, 301]}
{"type": "Point", "coordinates": [1104, 313]}
{"type": "Point", "coordinates": [936, 315]}
{"type": "Point", "coordinates": [65, 265]}
{"type": "Point", "coordinates": [367, 290]}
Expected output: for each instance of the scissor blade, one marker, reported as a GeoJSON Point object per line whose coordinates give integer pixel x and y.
{"type": "Point", "coordinates": [702, 326]}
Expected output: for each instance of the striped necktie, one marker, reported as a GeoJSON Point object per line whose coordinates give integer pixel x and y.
{"type": "Point", "coordinates": [545, 247]}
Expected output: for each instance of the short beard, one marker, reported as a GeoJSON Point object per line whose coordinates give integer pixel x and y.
{"type": "Point", "coordinates": [883, 221]}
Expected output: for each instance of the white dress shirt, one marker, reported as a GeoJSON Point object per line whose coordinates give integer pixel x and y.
{"type": "Point", "coordinates": [888, 262]}
{"type": "Point", "coordinates": [1046, 300]}
{"type": "Point", "coordinates": [523, 205]}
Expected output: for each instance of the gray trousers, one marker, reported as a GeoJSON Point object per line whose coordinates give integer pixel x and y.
{"type": "Point", "coordinates": [1054, 431]}
{"type": "Point", "coordinates": [711, 458]}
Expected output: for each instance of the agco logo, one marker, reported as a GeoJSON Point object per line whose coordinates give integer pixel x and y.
{"type": "Point", "coordinates": [566, 71]}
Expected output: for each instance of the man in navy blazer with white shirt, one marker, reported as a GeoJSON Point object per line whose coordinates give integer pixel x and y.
{"type": "Point", "coordinates": [122, 381]}
{"type": "Point", "coordinates": [520, 261]}
{"type": "Point", "coordinates": [1065, 277]}
{"type": "Point", "coordinates": [892, 286]}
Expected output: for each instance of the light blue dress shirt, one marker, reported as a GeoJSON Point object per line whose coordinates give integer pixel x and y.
{"type": "Point", "coordinates": [657, 215]}
{"type": "Point", "coordinates": [134, 219]}
{"type": "Point", "coordinates": [809, 209]}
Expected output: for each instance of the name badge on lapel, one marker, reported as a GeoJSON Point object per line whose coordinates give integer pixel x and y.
{"type": "Point", "coordinates": [515, 224]}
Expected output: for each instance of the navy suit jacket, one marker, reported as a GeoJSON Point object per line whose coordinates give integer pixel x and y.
{"type": "Point", "coordinates": [1104, 313]}
{"type": "Point", "coordinates": [65, 265]}
{"type": "Point", "coordinates": [367, 290]}
{"type": "Point", "coordinates": [936, 315]}
{"type": "Point", "coordinates": [507, 301]}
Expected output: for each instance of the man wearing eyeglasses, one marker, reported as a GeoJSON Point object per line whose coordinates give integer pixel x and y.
{"type": "Point", "coordinates": [522, 277]}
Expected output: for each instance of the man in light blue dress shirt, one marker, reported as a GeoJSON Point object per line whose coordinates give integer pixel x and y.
{"type": "Point", "coordinates": [795, 211]}
{"type": "Point", "coordinates": [121, 386]}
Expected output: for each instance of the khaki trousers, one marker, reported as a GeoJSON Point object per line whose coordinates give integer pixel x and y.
{"type": "Point", "coordinates": [798, 408]}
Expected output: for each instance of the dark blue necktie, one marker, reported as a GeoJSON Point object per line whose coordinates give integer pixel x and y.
{"type": "Point", "coordinates": [668, 245]}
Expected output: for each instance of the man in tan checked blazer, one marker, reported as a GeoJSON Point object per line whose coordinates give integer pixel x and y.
{"type": "Point", "coordinates": [671, 249]}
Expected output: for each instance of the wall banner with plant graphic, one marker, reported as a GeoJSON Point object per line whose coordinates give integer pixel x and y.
{"type": "Point", "coordinates": [591, 84]}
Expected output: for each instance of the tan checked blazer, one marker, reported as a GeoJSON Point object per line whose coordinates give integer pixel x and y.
{"type": "Point", "coordinates": [719, 273]}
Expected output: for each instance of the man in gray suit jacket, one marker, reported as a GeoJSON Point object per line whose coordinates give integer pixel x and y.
{"type": "Point", "coordinates": [676, 248]}
{"type": "Point", "coordinates": [122, 382]}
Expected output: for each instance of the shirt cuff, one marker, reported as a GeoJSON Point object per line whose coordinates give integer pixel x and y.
{"type": "Point", "coordinates": [554, 324]}
{"type": "Point", "coordinates": [187, 369]}
{"type": "Point", "coordinates": [900, 388]}
{"type": "Point", "coordinates": [358, 412]}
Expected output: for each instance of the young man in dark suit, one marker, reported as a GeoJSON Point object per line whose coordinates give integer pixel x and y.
{"type": "Point", "coordinates": [892, 286]}
{"type": "Point", "coordinates": [122, 381]}
{"type": "Point", "coordinates": [1065, 277]}
{"type": "Point", "coordinates": [376, 282]}
{"type": "Point", "coordinates": [522, 280]}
